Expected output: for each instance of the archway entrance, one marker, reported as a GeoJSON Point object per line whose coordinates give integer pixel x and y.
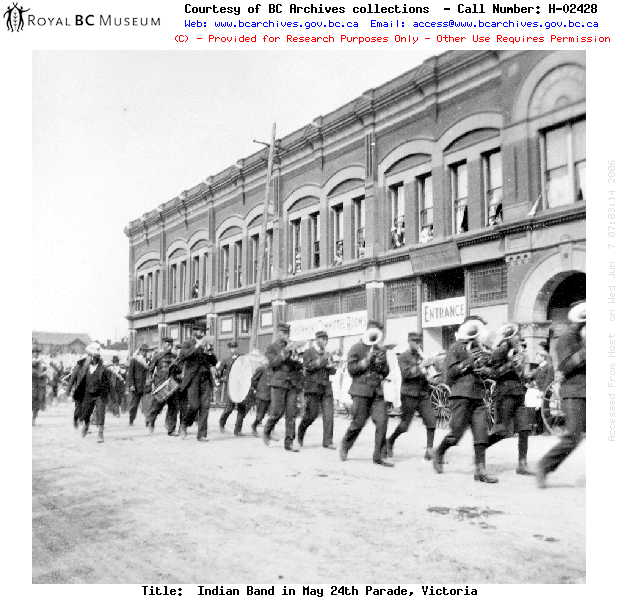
{"type": "Point", "coordinates": [571, 289]}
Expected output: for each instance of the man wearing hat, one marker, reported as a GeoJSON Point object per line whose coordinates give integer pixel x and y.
{"type": "Point", "coordinates": [136, 379]}
{"type": "Point", "coordinates": [284, 374]}
{"type": "Point", "coordinates": [39, 382]}
{"type": "Point", "coordinates": [415, 396]}
{"type": "Point", "coordinates": [571, 354]}
{"type": "Point", "coordinates": [196, 390]}
{"type": "Point", "coordinates": [118, 386]}
{"type": "Point", "coordinates": [93, 386]}
{"type": "Point", "coordinates": [318, 390]}
{"type": "Point", "coordinates": [368, 368]}
{"type": "Point", "coordinates": [161, 368]}
{"type": "Point", "coordinates": [466, 368]}
{"type": "Point", "coordinates": [223, 372]}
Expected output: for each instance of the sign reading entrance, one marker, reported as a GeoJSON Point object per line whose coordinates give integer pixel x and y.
{"type": "Point", "coordinates": [443, 312]}
{"type": "Point", "coordinates": [336, 325]}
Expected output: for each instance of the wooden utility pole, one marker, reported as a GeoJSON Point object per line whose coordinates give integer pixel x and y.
{"type": "Point", "coordinates": [261, 245]}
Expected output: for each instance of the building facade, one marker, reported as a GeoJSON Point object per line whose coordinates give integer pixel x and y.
{"type": "Point", "coordinates": [457, 188]}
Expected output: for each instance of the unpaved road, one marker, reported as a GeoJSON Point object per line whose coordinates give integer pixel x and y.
{"type": "Point", "coordinates": [150, 509]}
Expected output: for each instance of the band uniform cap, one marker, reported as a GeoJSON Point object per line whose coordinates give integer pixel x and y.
{"type": "Point", "coordinates": [284, 327]}
{"type": "Point", "coordinates": [144, 347]}
{"type": "Point", "coordinates": [168, 340]}
{"type": "Point", "coordinates": [374, 324]}
{"type": "Point", "coordinates": [115, 359]}
{"type": "Point", "coordinates": [577, 313]}
{"type": "Point", "coordinates": [321, 335]}
{"type": "Point", "coordinates": [232, 344]}
{"type": "Point", "coordinates": [475, 317]}
{"type": "Point", "coordinates": [93, 348]}
{"type": "Point", "coordinates": [413, 336]}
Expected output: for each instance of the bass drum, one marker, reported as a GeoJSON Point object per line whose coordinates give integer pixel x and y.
{"type": "Point", "coordinates": [240, 376]}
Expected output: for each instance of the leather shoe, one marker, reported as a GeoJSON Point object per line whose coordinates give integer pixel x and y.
{"type": "Point", "coordinates": [524, 471]}
{"type": "Point", "coordinates": [173, 434]}
{"type": "Point", "coordinates": [202, 439]}
{"type": "Point", "coordinates": [541, 479]}
{"type": "Point", "coordinates": [437, 462]}
{"type": "Point", "coordinates": [343, 453]}
{"type": "Point", "coordinates": [266, 440]}
{"type": "Point", "coordinates": [384, 463]}
{"type": "Point", "coordinates": [294, 447]}
{"type": "Point", "coordinates": [330, 446]}
{"type": "Point", "coordinates": [428, 454]}
{"type": "Point", "coordinates": [485, 478]}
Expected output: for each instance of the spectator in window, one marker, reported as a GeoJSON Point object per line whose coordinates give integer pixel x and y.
{"type": "Point", "coordinates": [398, 234]}
{"type": "Point", "coordinates": [339, 254]}
{"type": "Point", "coordinates": [195, 290]}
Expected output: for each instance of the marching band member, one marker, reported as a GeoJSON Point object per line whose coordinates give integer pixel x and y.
{"type": "Point", "coordinates": [196, 389]}
{"type": "Point", "coordinates": [368, 368]}
{"type": "Point", "coordinates": [465, 373]}
{"type": "Point", "coordinates": [162, 367]}
{"type": "Point", "coordinates": [508, 362]}
{"type": "Point", "coordinates": [39, 382]}
{"type": "Point", "coordinates": [223, 371]}
{"type": "Point", "coordinates": [93, 386]}
{"type": "Point", "coordinates": [318, 390]}
{"type": "Point", "coordinates": [136, 379]}
{"type": "Point", "coordinates": [285, 383]}
{"type": "Point", "coordinates": [261, 392]}
{"type": "Point", "coordinates": [415, 395]}
{"type": "Point", "coordinates": [571, 353]}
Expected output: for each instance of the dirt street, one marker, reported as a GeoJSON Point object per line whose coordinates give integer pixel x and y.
{"type": "Point", "coordinates": [150, 509]}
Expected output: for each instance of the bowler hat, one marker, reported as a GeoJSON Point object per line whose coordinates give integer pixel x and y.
{"type": "Point", "coordinates": [144, 347]}
{"type": "Point", "coordinates": [232, 344]}
{"type": "Point", "coordinates": [284, 327]}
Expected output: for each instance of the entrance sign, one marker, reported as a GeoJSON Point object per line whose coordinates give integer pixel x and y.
{"type": "Point", "coordinates": [336, 325]}
{"type": "Point", "coordinates": [443, 312]}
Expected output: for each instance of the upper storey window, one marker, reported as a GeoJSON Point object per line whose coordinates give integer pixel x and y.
{"type": "Point", "coordinates": [493, 188]}
{"type": "Point", "coordinates": [425, 199]}
{"type": "Point", "coordinates": [460, 222]}
{"type": "Point", "coordinates": [397, 214]}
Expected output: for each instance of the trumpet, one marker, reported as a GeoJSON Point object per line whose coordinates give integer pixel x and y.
{"type": "Point", "coordinates": [293, 350]}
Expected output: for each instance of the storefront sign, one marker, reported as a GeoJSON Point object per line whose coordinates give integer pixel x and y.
{"type": "Point", "coordinates": [441, 255]}
{"type": "Point", "coordinates": [443, 312]}
{"type": "Point", "coordinates": [336, 325]}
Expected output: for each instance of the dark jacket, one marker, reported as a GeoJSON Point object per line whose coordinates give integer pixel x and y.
{"type": "Point", "coordinates": [544, 376]}
{"type": "Point", "coordinates": [504, 373]}
{"type": "Point", "coordinates": [284, 372]}
{"type": "Point", "coordinates": [195, 362]}
{"type": "Point", "coordinates": [136, 374]}
{"type": "Point", "coordinates": [414, 383]}
{"type": "Point", "coordinates": [96, 384]}
{"type": "Point", "coordinates": [316, 379]}
{"type": "Point", "coordinates": [461, 379]}
{"type": "Point", "coordinates": [571, 353]}
{"type": "Point", "coordinates": [161, 367]}
{"type": "Point", "coordinates": [365, 381]}
{"type": "Point", "coordinates": [223, 369]}
{"type": "Point", "coordinates": [260, 383]}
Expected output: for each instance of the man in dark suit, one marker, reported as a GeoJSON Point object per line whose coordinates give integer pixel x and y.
{"type": "Point", "coordinates": [368, 368]}
{"type": "Point", "coordinates": [93, 386]}
{"type": "Point", "coordinates": [415, 395]}
{"type": "Point", "coordinates": [136, 379]}
{"type": "Point", "coordinates": [223, 371]}
{"type": "Point", "coordinates": [161, 368]}
{"type": "Point", "coordinates": [571, 353]}
{"type": "Point", "coordinates": [318, 392]}
{"type": "Point", "coordinates": [466, 367]}
{"type": "Point", "coordinates": [39, 382]}
{"type": "Point", "coordinates": [285, 374]}
{"type": "Point", "coordinates": [196, 358]}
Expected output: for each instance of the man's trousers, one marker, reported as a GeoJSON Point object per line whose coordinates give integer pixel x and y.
{"type": "Point", "coordinates": [283, 403]}
{"type": "Point", "coordinates": [363, 409]}
{"type": "Point", "coordinates": [198, 395]}
{"type": "Point", "coordinates": [316, 403]}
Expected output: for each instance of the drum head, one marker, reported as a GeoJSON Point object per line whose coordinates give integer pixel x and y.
{"type": "Point", "coordinates": [240, 376]}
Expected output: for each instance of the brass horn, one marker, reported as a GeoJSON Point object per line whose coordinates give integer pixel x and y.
{"type": "Point", "coordinates": [372, 336]}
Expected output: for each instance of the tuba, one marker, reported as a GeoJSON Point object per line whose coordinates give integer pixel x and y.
{"type": "Point", "coordinates": [472, 331]}
{"type": "Point", "coordinates": [517, 355]}
{"type": "Point", "coordinates": [377, 354]}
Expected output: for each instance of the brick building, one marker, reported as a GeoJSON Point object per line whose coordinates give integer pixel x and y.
{"type": "Point", "coordinates": [457, 188]}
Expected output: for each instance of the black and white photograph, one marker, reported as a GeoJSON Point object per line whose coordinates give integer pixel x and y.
{"type": "Point", "coordinates": [309, 317]}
